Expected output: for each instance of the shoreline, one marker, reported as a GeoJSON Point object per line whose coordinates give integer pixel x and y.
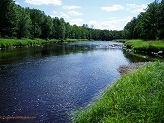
{"type": "Point", "coordinates": [17, 43]}
{"type": "Point", "coordinates": [134, 97]}
{"type": "Point", "coordinates": [124, 69]}
{"type": "Point", "coordinates": [150, 47]}
{"type": "Point", "coordinates": [155, 48]}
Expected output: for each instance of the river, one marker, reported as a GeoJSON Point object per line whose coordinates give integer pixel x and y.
{"type": "Point", "coordinates": [46, 82]}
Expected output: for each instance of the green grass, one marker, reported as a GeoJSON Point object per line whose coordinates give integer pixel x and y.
{"type": "Point", "coordinates": [75, 40]}
{"type": "Point", "coordinates": [136, 97]}
{"type": "Point", "coordinates": [146, 46]}
{"type": "Point", "coordinates": [7, 43]}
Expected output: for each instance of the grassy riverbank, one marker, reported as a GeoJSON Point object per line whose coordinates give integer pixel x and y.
{"type": "Point", "coordinates": [7, 43]}
{"type": "Point", "coordinates": [135, 97]}
{"type": "Point", "coordinates": [144, 46]}
{"type": "Point", "coordinates": [147, 46]}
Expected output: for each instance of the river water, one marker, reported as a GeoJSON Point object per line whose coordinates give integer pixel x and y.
{"type": "Point", "coordinates": [47, 82]}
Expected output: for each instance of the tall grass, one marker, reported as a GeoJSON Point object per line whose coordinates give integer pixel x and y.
{"type": "Point", "coordinates": [75, 40]}
{"type": "Point", "coordinates": [147, 46]}
{"type": "Point", "coordinates": [6, 43]}
{"type": "Point", "coordinates": [137, 97]}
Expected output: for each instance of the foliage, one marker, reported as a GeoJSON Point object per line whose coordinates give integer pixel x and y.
{"type": "Point", "coordinates": [16, 21]}
{"type": "Point", "coordinates": [19, 22]}
{"type": "Point", "coordinates": [148, 25]}
{"type": "Point", "coordinates": [135, 97]}
{"type": "Point", "coordinates": [8, 18]}
{"type": "Point", "coordinates": [25, 24]}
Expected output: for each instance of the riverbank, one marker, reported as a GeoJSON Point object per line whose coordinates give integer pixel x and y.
{"type": "Point", "coordinates": [135, 97]}
{"type": "Point", "coordinates": [141, 46]}
{"type": "Point", "coordinates": [129, 68]}
{"type": "Point", "coordinates": [15, 43]}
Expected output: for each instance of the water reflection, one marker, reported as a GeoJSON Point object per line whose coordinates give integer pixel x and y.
{"type": "Point", "coordinates": [140, 57]}
{"type": "Point", "coordinates": [132, 58]}
{"type": "Point", "coordinates": [51, 80]}
{"type": "Point", "coordinates": [47, 50]}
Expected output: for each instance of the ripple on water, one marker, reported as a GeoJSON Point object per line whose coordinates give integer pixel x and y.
{"type": "Point", "coordinates": [49, 85]}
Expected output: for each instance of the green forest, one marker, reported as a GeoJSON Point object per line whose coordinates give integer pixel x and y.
{"type": "Point", "coordinates": [148, 25]}
{"type": "Point", "coordinates": [19, 22]}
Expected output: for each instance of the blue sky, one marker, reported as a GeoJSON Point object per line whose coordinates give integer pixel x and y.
{"type": "Point", "coordinates": [102, 14]}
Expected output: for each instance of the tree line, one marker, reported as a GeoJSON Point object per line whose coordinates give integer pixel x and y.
{"type": "Point", "coordinates": [149, 25]}
{"type": "Point", "coordinates": [19, 22]}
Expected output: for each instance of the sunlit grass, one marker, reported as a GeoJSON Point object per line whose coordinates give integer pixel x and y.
{"type": "Point", "coordinates": [137, 97]}
{"type": "Point", "coordinates": [6, 43]}
{"type": "Point", "coordinates": [75, 40]}
{"type": "Point", "coordinates": [147, 46]}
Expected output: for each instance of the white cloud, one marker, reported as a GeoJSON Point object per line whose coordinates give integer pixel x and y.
{"type": "Point", "coordinates": [60, 15]}
{"type": "Point", "coordinates": [44, 2]}
{"type": "Point", "coordinates": [115, 24]}
{"type": "Point", "coordinates": [78, 22]}
{"type": "Point", "coordinates": [112, 8]}
{"type": "Point", "coordinates": [126, 19]}
{"type": "Point", "coordinates": [54, 12]}
{"type": "Point", "coordinates": [132, 5]}
{"type": "Point", "coordinates": [71, 7]}
{"type": "Point", "coordinates": [113, 18]}
{"type": "Point", "coordinates": [17, 3]}
{"type": "Point", "coordinates": [74, 13]}
{"type": "Point", "coordinates": [140, 9]}
{"type": "Point", "coordinates": [64, 16]}
{"type": "Point", "coordinates": [137, 8]}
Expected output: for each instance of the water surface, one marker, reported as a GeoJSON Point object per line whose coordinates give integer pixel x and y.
{"type": "Point", "coordinates": [50, 80]}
